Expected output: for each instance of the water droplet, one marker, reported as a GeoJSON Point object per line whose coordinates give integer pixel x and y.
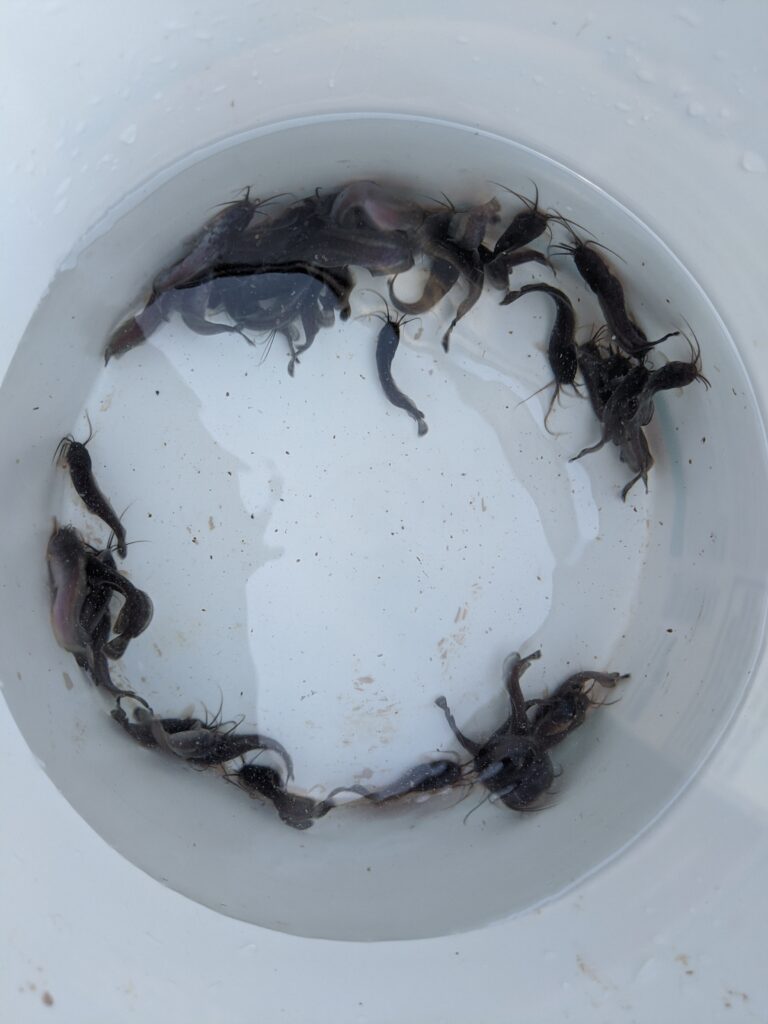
{"type": "Point", "coordinates": [620, 105]}
{"type": "Point", "coordinates": [538, 79]}
{"type": "Point", "coordinates": [462, 40]}
{"type": "Point", "coordinates": [695, 109]}
{"type": "Point", "coordinates": [128, 135]}
{"type": "Point", "coordinates": [203, 35]}
{"type": "Point", "coordinates": [689, 17]}
{"type": "Point", "coordinates": [63, 186]}
{"type": "Point", "coordinates": [753, 162]}
{"type": "Point", "coordinates": [645, 970]}
{"type": "Point", "coordinates": [645, 74]}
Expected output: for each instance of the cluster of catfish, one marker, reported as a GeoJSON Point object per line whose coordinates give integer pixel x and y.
{"type": "Point", "coordinates": [288, 272]}
{"type": "Point", "coordinates": [84, 580]}
{"type": "Point", "coordinates": [513, 764]}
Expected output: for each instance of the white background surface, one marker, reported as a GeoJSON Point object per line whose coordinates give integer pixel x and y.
{"type": "Point", "coordinates": [663, 107]}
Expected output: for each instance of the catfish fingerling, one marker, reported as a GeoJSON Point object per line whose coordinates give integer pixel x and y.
{"type": "Point", "coordinates": [634, 451]}
{"type": "Point", "coordinates": [205, 745]}
{"type": "Point", "coordinates": [133, 618]}
{"type": "Point", "coordinates": [136, 329]}
{"type": "Point", "coordinates": [74, 456]}
{"type": "Point", "coordinates": [136, 613]}
{"type": "Point", "coordinates": [141, 729]}
{"type": "Point", "coordinates": [557, 716]}
{"type": "Point", "coordinates": [511, 763]}
{"type": "Point", "coordinates": [429, 777]}
{"type": "Point", "coordinates": [602, 370]}
{"type": "Point", "coordinates": [596, 273]}
{"type": "Point", "coordinates": [67, 558]}
{"type": "Point", "coordinates": [561, 351]}
{"type": "Point", "coordinates": [298, 811]}
{"type": "Point", "coordinates": [525, 227]}
{"type": "Point", "coordinates": [374, 206]}
{"type": "Point", "coordinates": [386, 347]}
{"type": "Point", "coordinates": [622, 409]}
{"type": "Point", "coordinates": [210, 243]}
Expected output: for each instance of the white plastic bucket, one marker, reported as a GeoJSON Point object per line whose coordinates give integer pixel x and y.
{"type": "Point", "coordinates": [700, 571]}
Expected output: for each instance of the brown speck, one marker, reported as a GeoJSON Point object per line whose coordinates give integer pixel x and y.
{"type": "Point", "coordinates": [590, 972]}
{"type": "Point", "coordinates": [683, 959]}
{"type": "Point", "coordinates": [211, 524]}
{"type": "Point", "coordinates": [362, 681]}
{"type": "Point", "coordinates": [47, 999]}
{"type": "Point", "coordinates": [68, 681]}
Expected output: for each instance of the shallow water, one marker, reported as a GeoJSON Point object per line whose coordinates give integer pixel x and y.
{"type": "Point", "coordinates": [320, 569]}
